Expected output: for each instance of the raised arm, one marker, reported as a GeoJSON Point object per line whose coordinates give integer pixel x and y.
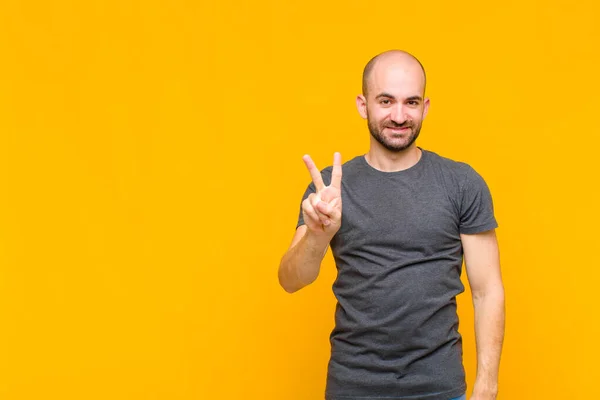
{"type": "Point", "coordinates": [322, 213]}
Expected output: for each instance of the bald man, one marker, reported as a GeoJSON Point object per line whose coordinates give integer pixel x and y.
{"type": "Point", "coordinates": [399, 221]}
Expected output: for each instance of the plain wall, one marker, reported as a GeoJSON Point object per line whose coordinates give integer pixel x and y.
{"type": "Point", "coordinates": [151, 177]}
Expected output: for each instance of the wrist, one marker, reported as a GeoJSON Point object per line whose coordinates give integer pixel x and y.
{"type": "Point", "coordinates": [318, 241]}
{"type": "Point", "coordinates": [485, 390]}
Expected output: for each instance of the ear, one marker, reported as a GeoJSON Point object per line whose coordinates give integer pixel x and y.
{"type": "Point", "coordinates": [361, 105]}
{"type": "Point", "coordinates": [425, 107]}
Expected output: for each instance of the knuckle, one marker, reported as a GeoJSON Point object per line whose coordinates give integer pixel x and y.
{"type": "Point", "coordinates": [311, 213]}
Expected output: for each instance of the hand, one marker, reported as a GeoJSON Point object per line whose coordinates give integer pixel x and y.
{"type": "Point", "coordinates": [484, 389]}
{"type": "Point", "coordinates": [478, 395]}
{"type": "Point", "coordinates": [322, 210]}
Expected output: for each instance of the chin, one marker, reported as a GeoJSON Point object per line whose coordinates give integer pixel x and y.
{"type": "Point", "coordinates": [399, 146]}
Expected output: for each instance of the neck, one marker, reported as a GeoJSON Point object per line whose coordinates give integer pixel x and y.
{"type": "Point", "coordinates": [385, 160]}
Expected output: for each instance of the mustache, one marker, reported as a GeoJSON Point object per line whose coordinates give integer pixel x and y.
{"type": "Point", "coordinates": [395, 125]}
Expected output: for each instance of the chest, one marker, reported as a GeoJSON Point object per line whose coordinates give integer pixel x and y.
{"type": "Point", "coordinates": [417, 216]}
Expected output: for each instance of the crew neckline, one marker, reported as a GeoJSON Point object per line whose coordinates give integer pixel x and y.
{"type": "Point", "coordinates": [414, 167]}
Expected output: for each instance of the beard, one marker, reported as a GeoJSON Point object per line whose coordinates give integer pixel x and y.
{"type": "Point", "coordinates": [391, 144]}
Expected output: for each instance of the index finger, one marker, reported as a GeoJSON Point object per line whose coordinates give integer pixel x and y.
{"type": "Point", "coordinates": [314, 173]}
{"type": "Point", "coordinates": [336, 173]}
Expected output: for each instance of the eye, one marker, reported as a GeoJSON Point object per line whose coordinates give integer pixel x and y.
{"type": "Point", "coordinates": [385, 101]}
{"type": "Point", "coordinates": [413, 102]}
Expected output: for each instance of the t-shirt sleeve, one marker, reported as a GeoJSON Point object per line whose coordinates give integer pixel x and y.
{"type": "Point", "coordinates": [476, 207]}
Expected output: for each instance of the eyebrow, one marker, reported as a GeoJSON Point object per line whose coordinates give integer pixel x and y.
{"type": "Point", "coordinates": [384, 95]}
{"type": "Point", "coordinates": [392, 97]}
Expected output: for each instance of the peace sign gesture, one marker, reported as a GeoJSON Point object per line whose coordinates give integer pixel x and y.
{"type": "Point", "coordinates": [322, 210]}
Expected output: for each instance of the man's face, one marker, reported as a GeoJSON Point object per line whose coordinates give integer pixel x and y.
{"type": "Point", "coordinates": [394, 107]}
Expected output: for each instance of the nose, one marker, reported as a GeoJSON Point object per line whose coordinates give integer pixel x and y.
{"type": "Point", "coordinates": [398, 115]}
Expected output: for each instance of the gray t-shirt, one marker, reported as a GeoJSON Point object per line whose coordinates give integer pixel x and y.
{"type": "Point", "coordinates": [399, 258]}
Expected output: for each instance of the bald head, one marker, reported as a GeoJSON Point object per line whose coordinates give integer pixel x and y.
{"type": "Point", "coordinates": [390, 59]}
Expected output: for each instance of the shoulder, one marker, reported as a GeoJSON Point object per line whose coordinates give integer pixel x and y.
{"type": "Point", "coordinates": [447, 163]}
{"type": "Point", "coordinates": [456, 170]}
{"type": "Point", "coordinates": [459, 174]}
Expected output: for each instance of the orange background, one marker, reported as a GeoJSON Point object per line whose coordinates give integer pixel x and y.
{"type": "Point", "coordinates": [151, 178]}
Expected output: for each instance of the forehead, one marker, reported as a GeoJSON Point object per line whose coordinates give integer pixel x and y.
{"type": "Point", "coordinates": [397, 79]}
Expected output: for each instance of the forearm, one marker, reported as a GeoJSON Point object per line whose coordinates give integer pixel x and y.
{"type": "Point", "coordinates": [300, 265]}
{"type": "Point", "coordinates": [489, 336]}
